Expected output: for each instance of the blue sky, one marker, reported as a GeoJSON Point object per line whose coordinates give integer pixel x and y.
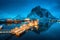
{"type": "Point", "coordinates": [12, 8]}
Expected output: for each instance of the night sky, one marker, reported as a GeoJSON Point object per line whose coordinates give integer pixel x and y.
{"type": "Point", "coordinates": [12, 8]}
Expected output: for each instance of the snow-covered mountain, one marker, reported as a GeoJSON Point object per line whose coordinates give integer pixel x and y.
{"type": "Point", "coordinates": [18, 17]}
{"type": "Point", "coordinates": [44, 17]}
